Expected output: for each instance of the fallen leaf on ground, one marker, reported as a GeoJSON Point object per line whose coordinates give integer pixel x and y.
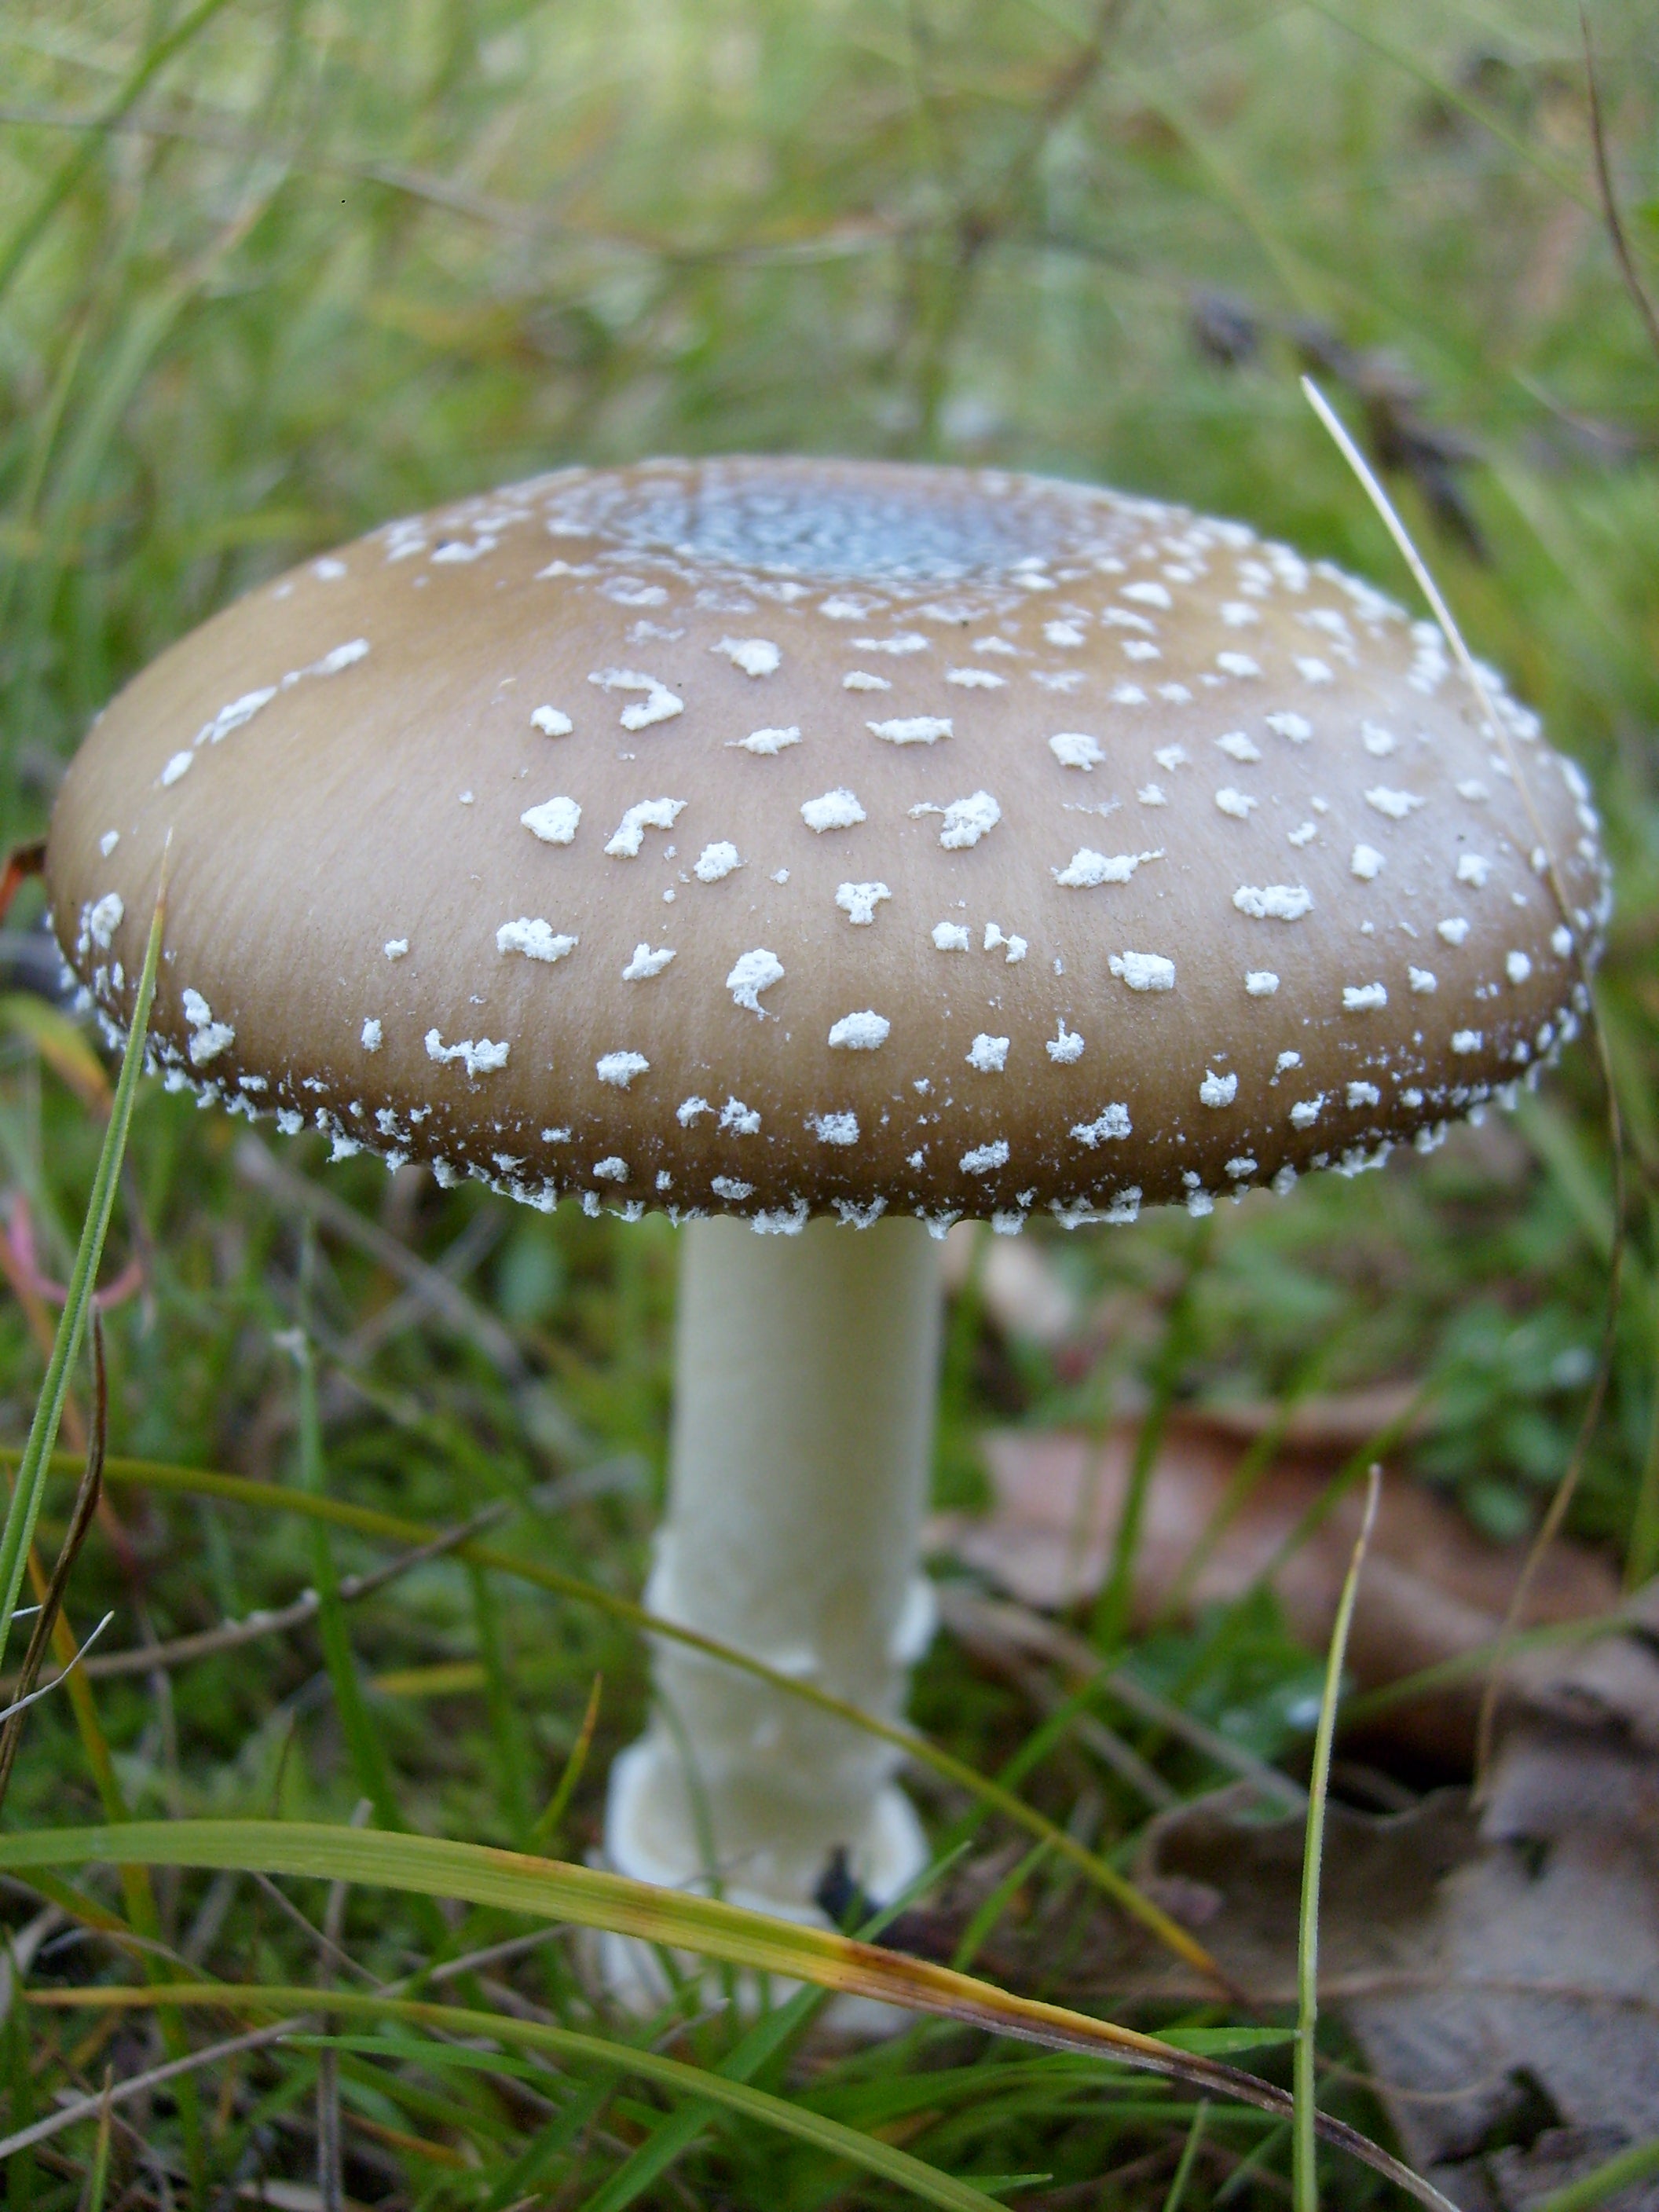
{"type": "Point", "coordinates": [1432, 1590]}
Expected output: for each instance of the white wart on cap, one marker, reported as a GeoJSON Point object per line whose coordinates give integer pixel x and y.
{"type": "Point", "coordinates": [778, 837]}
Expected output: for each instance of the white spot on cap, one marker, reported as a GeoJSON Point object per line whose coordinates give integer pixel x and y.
{"type": "Point", "coordinates": [1242, 1166]}
{"type": "Point", "coordinates": [646, 964]}
{"type": "Point", "coordinates": [1364, 998]}
{"type": "Point", "coordinates": [1170, 757]}
{"type": "Point", "coordinates": [1274, 902]}
{"type": "Point", "coordinates": [1396, 805]}
{"type": "Point", "coordinates": [1473, 789]}
{"type": "Point", "coordinates": [1014, 948]}
{"type": "Point", "coordinates": [176, 768]}
{"type": "Point", "coordinates": [209, 1038]}
{"type": "Point", "coordinates": [1304, 834]}
{"type": "Point", "coordinates": [1148, 595]}
{"type": "Point", "coordinates": [1151, 795]}
{"type": "Point", "coordinates": [739, 1120]}
{"type": "Point", "coordinates": [751, 973]}
{"type": "Point", "coordinates": [1363, 1094]}
{"type": "Point", "coordinates": [1453, 928]}
{"type": "Point", "coordinates": [756, 656]}
{"type": "Point", "coordinates": [370, 1038]}
{"type": "Point", "coordinates": [659, 705]}
{"type": "Point", "coordinates": [552, 722]}
{"type": "Point", "coordinates": [985, 1159]}
{"type": "Point", "coordinates": [1516, 967]}
{"type": "Point", "coordinates": [395, 947]}
{"type": "Point", "coordinates": [1218, 1090]}
{"type": "Point", "coordinates": [1144, 971]}
{"type": "Point", "coordinates": [1466, 1041]}
{"type": "Point", "coordinates": [1366, 863]}
{"type": "Point", "coordinates": [1239, 747]}
{"type": "Point", "coordinates": [1075, 749]}
{"type": "Point", "coordinates": [1296, 727]}
{"type": "Point", "coordinates": [912, 729]}
{"type": "Point", "coordinates": [479, 1056]}
{"type": "Point", "coordinates": [1067, 1046]}
{"type": "Point", "coordinates": [1378, 742]}
{"type": "Point", "coordinates": [1261, 982]}
{"type": "Point", "coordinates": [1472, 868]}
{"type": "Point", "coordinates": [1113, 1122]}
{"type": "Point", "coordinates": [860, 679]}
{"type": "Point", "coordinates": [966, 820]}
{"type": "Point", "coordinates": [618, 1069]}
{"type": "Point", "coordinates": [1238, 804]}
{"type": "Point", "coordinates": [1286, 1059]}
{"type": "Point", "coordinates": [716, 862]}
{"type": "Point", "coordinates": [836, 810]}
{"type": "Point", "coordinates": [732, 1189]}
{"type": "Point", "coordinates": [976, 679]}
{"type": "Point", "coordinates": [989, 1054]}
{"type": "Point", "coordinates": [613, 1168]}
{"type": "Point", "coordinates": [905, 642]}
{"type": "Point", "coordinates": [649, 814]}
{"type": "Point", "coordinates": [104, 919]}
{"type": "Point", "coordinates": [1237, 664]}
{"type": "Point", "coordinates": [766, 742]}
{"type": "Point", "coordinates": [108, 842]}
{"type": "Point", "coordinates": [1423, 980]}
{"type": "Point", "coordinates": [1561, 940]}
{"type": "Point", "coordinates": [689, 1108]}
{"type": "Point", "coordinates": [950, 936]}
{"type": "Point", "coordinates": [554, 822]}
{"type": "Point", "coordinates": [833, 1128]}
{"type": "Point", "coordinates": [1085, 868]}
{"type": "Point", "coordinates": [858, 902]}
{"type": "Point", "coordinates": [535, 938]}
{"type": "Point", "coordinates": [1312, 671]}
{"type": "Point", "coordinates": [860, 1032]}
{"type": "Point", "coordinates": [1306, 1111]}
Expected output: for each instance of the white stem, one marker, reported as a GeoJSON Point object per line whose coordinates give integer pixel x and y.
{"type": "Point", "coordinates": [803, 1427]}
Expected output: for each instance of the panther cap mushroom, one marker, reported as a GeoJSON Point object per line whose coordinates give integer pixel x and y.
{"type": "Point", "coordinates": [783, 839]}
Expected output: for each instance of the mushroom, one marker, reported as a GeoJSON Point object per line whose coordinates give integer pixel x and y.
{"type": "Point", "coordinates": [824, 852]}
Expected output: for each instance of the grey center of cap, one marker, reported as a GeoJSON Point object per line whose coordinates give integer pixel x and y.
{"type": "Point", "coordinates": [834, 523]}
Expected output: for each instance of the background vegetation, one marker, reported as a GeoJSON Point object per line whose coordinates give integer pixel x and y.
{"type": "Point", "coordinates": [274, 270]}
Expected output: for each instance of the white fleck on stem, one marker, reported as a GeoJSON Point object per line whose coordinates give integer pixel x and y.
{"type": "Point", "coordinates": [803, 1426]}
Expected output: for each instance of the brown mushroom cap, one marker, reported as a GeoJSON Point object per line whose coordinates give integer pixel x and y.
{"type": "Point", "coordinates": [770, 836]}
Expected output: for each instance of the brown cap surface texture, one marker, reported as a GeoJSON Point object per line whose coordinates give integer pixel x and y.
{"type": "Point", "coordinates": [772, 836]}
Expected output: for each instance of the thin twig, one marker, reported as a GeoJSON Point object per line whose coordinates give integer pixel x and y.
{"type": "Point", "coordinates": [1621, 252]}
{"type": "Point", "coordinates": [331, 2146]}
{"type": "Point", "coordinates": [1304, 2166]}
{"type": "Point", "coordinates": [87, 2108]}
{"type": "Point", "coordinates": [965, 1614]}
{"type": "Point", "coordinates": [231, 1635]}
{"type": "Point", "coordinates": [256, 1164]}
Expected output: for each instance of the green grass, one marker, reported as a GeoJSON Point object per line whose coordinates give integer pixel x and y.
{"type": "Point", "coordinates": [273, 271]}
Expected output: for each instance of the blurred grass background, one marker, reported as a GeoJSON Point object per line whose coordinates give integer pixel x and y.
{"type": "Point", "coordinates": [272, 271]}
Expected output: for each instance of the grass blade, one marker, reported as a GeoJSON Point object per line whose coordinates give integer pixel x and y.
{"type": "Point", "coordinates": [1305, 2172]}
{"type": "Point", "coordinates": [883, 2159]}
{"type": "Point", "coordinates": [367, 1521]}
{"type": "Point", "coordinates": [24, 1508]}
{"type": "Point", "coordinates": [588, 1897]}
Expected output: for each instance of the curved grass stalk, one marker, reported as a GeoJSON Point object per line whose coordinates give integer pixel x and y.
{"type": "Point", "coordinates": [590, 1898]}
